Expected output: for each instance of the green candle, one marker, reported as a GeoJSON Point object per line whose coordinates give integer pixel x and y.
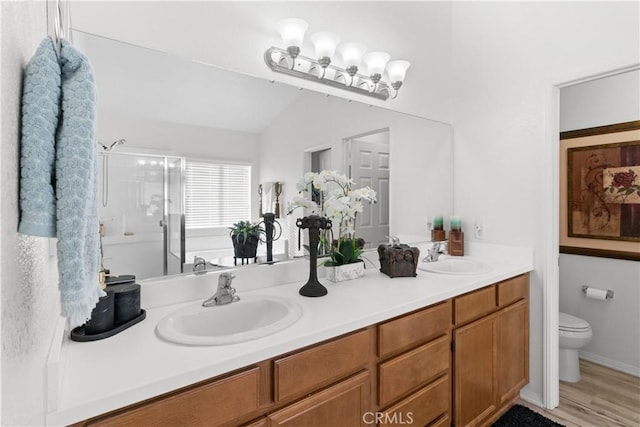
{"type": "Point", "coordinates": [437, 222]}
{"type": "Point", "coordinates": [456, 223]}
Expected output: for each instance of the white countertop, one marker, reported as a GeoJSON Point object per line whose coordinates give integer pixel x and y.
{"type": "Point", "coordinates": [100, 376]}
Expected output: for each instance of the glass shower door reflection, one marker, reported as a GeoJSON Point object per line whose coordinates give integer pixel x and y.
{"type": "Point", "coordinates": [174, 217]}
{"type": "Point", "coordinates": [137, 213]}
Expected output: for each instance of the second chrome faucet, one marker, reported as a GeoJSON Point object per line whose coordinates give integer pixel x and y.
{"type": "Point", "coordinates": [434, 252]}
{"type": "Point", "coordinates": [225, 294]}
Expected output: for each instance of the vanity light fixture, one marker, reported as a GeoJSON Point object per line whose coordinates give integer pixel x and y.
{"type": "Point", "coordinates": [322, 68]}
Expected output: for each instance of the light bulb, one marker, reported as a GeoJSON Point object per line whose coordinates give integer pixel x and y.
{"type": "Point", "coordinates": [376, 61]}
{"type": "Point", "coordinates": [397, 70]}
{"type": "Point", "coordinates": [292, 31]}
{"type": "Point", "coordinates": [325, 44]}
{"type": "Point", "coordinates": [352, 54]}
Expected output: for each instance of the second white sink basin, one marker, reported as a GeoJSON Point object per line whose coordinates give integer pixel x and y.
{"type": "Point", "coordinates": [456, 265]}
{"type": "Point", "coordinates": [254, 316]}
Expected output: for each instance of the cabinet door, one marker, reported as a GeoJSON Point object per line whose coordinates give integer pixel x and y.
{"type": "Point", "coordinates": [211, 404]}
{"type": "Point", "coordinates": [475, 371]}
{"type": "Point", "coordinates": [513, 350]}
{"type": "Point", "coordinates": [343, 404]}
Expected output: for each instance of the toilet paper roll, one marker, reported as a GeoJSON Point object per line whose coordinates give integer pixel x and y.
{"type": "Point", "coordinates": [599, 294]}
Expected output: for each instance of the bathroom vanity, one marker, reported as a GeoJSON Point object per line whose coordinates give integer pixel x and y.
{"type": "Point", "coordinates": [429, 350]}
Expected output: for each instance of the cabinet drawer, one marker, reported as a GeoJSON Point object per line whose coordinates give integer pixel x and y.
{"type": "Point", "coordinates": [343, 404]}
{"type": "Point", "coordinates": [319, 366]}
{"type": "Point", "coordinates": [413, 369]}
{"type": "Point", "coordinates": [211, 404]}
{"type": "Point", "coordinates": [422, 407]}
{"type": "Point", "coordinates": [513, 290]}
{"type": "Point", "coordinates": [474, 305]}
{"type": "Point", "coordinates": [414, 329]}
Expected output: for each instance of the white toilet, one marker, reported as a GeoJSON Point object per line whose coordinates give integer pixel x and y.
{"type": "Point", "coordinates": [575, 333]}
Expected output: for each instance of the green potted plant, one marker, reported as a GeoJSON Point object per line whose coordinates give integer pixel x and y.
{"type": "Point", "coordinates": [245, 236]}
{"type": "Point", "coordinates": [344, 261]}
{"type": "Point", "coordinates": [345, 251]}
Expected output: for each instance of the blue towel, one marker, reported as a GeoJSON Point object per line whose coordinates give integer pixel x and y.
{"type": "Point", "coordinates": [58, 170]}
{"type": "Point", "coordinates": [40, 110]}
{"type": "Point", "coordinates": [76, 189]}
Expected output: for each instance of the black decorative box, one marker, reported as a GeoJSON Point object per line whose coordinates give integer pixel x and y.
{"type": "Point", "coordinates": [398, 260]}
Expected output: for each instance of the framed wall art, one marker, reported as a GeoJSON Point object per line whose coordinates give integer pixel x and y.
{"type": "Point", "coordinates": [600, 191]}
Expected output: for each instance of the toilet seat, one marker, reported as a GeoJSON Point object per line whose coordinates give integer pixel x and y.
{"type": "Point", "coordinates": [569, 323]}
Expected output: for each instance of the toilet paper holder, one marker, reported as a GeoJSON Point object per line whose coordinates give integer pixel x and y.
{"type": "Point", "coordinates": [609, 292]}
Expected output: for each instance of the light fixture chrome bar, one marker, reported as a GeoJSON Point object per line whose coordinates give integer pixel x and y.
{"type": "Point", "coordinates": [378, 90]}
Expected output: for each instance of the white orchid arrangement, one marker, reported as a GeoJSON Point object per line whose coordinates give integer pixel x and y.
{"type": "Point", "coordinates": [339, 202]}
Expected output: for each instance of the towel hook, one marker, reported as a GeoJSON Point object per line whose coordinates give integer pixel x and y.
{"type": "Point", "coordinates": [61, 23]}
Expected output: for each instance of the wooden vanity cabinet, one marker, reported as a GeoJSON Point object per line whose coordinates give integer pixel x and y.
{"type": "Point", "coordinates": [490, 352]}
{"type": "Point", "coordinates": [459, 362]}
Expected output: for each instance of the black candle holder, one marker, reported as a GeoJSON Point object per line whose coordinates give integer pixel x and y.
{"type": "Point", "coordinates": [315, 223]}
{"type": "Point", "coordinates": [269, 232]}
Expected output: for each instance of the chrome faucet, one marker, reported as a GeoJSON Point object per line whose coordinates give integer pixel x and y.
{"type": "Point", "coordinates": [434, 252]}
{"type": "Point", "coordinates": [225, 293]}
{"type": "Point", "coordinates": [199, 265]}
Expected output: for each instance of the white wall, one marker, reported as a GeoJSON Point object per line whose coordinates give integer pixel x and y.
{"type": "Point", "coordinates": [507, 56]}
{"type": "Point", "coordinates": [615, 342]}
{"type": "Point", "coordinates": [28, 272]}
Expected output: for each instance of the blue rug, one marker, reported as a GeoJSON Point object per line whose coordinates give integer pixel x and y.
{"type": "Point", "coordinates": [520, 416]}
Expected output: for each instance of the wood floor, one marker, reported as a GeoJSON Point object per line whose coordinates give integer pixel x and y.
{"type": "Point", "coordinates": [603, 397]}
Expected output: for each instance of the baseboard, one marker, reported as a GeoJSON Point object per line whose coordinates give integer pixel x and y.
{"type": "Point", "coordinates": [610, 363]}
{"type": "Point", "coordinates": [531, 397]}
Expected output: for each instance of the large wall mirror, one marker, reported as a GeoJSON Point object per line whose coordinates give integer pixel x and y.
{"type": "Point", "coordinates": [165, 123]}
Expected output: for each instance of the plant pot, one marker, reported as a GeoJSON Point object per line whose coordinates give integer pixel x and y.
{"type": "Point", "coordinates": [245, 248]}
{"type": "Point", "coordinates": [340, 273]}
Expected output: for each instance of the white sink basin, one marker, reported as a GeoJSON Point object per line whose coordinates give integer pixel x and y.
{"type": "Point", "coordinates": [456, 265]}
{"type": "Point", "coordinates": [254, 316]}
